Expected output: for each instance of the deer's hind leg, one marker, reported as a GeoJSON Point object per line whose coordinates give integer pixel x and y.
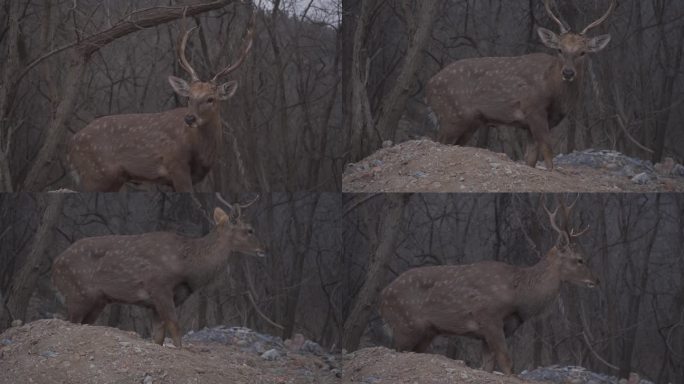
{"type": "Point", "coordinates": [459, 132]}
{"type": "Point", "coordinates": [158, 329]}
{"type": "Point", "coordinates": [79, 309]}
{"type": "Point", "coordinates": [94, 312]}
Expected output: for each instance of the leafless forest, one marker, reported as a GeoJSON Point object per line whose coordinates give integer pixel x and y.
{"type": "Point", "coordinates": [65, 63]}
{"type": "Point", "coordinates": [327, 83]}
{"type": "Point", "coordinates": [633, 322]}
{"type": "Point", "coordinates": [633, 88]}
{"type": "Point", "coordinates": [291, 290]}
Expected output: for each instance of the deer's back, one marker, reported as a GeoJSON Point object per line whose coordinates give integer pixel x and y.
{"type": "Point", "coordinates": [456, 294]}
{"type": "Point", "coordinates": [491, 88]}
{"type": "Point", "coordinates": [119, 260]}
{"type": "Point", "coordinates": [135, 143]}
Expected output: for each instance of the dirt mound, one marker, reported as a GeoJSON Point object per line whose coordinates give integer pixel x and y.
{"type": "Point", "coordinates": [380, 365]}
{"type": "Point", "coordinates": [54, 351]}
{"type": "Point", "coordinates": [427, 166]}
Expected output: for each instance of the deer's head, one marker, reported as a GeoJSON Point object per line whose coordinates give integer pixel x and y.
{"type": "Point", "coordinates": [572, 47]}
{"type": "Point", "coordinates": [204, 96]}
{"type": "Point", "coordinates": [229, 226]}
{"type": "Point", "coordinates": [573, 264]}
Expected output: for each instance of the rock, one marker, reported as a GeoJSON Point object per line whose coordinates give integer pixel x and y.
{"type": "Point", "coordinates": [387, 143]}
{"type": "Point", "coordinates": [678, 170]}
{"type": "Point", "coordinates": [642, 178]}
{"type": "Point", "coordinates": [271, 355]}
{"type": "Point", "coordinates": [17, 323]}
{"type": "Point", "coordinates": [420, 174]}
{"type": "Point", "coordinates": [49, 353]}
{"type": "Point", "coordinates": [147, 379]}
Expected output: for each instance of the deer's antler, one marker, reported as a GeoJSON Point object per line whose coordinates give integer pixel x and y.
{"type": "Point", "coordinates": [601, 19]}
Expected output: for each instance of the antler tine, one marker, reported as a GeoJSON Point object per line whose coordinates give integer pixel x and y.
{"type": "Point", "coordinates": [602, 19]}
{"type": "Point", "coordinates": [552, 218]}
{"type": "Point", "coordinates": [227, 204]}
{"type": "Point", "coordinates": [181, 50]}
{"type": "Point", "coordinates": [563, 28]}
{"type": "Point", "coordinates": [246, 205]}
{"type": "Point", "coordinates": [249, 37]}
{"type": "Point", "coordinates": [571, 206]}
{"type": "Point", "coordinates": [580, 233]}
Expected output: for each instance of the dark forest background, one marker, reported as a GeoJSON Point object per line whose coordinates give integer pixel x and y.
{"type": "Point", "coordinates": [633, 323]}
{"type": "Point", "coordinates": [293, 286]}
{"type": "Point", "coordinates": [281, 129]}
{"type": "Point", "coordinates": [635, 87]}
{"type": "Point", "coordinates": [318, 92]}
{"type": "Point", "coordinates": [331, 254]}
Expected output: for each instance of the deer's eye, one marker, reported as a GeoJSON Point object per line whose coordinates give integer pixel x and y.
{"type": "Point", "coordinates": [582, 53]}
{"type": "Point", "coordinates": [580, 261]}
{"type": "Point", "coordinates": [560, 50]}
{"type": "Point", "coordinates": [250, 231]}
{"type": "Point", "coordinates": [210, 100]}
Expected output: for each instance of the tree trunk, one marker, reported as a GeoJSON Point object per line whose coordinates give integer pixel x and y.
{"type": "Point", "coordinates": [366, 299]}
{"type": "Point", "coordinates": [361, 118]}
{"type": "Point", "coordinates": [394, 104]}
{"type": "Point", "coordinates": [54, 135]}
{"type": "Point", "coordinates": [25, 279]}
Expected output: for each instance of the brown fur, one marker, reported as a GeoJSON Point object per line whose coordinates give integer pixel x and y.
{"type": "Point", "coordinates": [157, 270]}
{"type": "Point", "coordinates": [534, 92]}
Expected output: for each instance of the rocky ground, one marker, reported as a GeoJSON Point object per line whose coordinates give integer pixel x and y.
{"type": "Point", "coordinates": [55, 351]}
{"type": "Point", "coordinates": [379, 365]}
{"type": "Point", "coordinates": [427, 166]}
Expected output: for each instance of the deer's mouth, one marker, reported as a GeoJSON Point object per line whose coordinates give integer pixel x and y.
{"type": "Point", "coordinates": [591, 283]}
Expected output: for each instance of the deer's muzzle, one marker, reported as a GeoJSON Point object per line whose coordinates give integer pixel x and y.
{"type": "Point", "coordinates": [568, 74]}
{"type": "Point", "coordinates": [190, 119]}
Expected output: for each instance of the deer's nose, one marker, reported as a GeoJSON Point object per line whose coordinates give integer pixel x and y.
{"type": "Point", "coordinates": [568, 73]}
{"type": "Point", "coordinates": [189, 119]}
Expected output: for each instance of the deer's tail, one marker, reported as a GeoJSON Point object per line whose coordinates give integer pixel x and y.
{"type": "Point", "coordinates": [432, 118]}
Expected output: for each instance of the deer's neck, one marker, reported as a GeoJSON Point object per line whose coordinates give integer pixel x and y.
{"type": "Point", "coordinates": [566, 93]}
{"type": "Point", "coordinates": [206, 257]}
{"type": "Point", "coordinates": [538, 286]}
{"type": "Point", "coordinates": [209, 137]}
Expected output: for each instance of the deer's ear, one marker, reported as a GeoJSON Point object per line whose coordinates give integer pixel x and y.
{"type": "Point", "coordinates": [549, 38]}
{"type": "Point", "coordinates": [180, 86]}
{"type": "Point", "coordinates": [227, 90]}
{"type": "Point", "coordinates": [220, 217]}
{"type": "Point", "coordinates": [597, 43]}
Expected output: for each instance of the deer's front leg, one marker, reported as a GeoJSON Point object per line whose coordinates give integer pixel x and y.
{"type": "Point", "coordinates": [164, 307]}
{"type": "Point", "coordinates": [496, 343]}
{"type": "Point", "coordinates": [180, 177]}
{"type": "Point", "coordinates": [539, 127]}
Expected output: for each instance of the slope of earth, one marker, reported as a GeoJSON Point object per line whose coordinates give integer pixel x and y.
{"type": "Point", "coordinates": [379, 365]}
{"type": "Point", "coordinates": [427, 166]}
{"type": "Point", "coordinates": [54, 351]}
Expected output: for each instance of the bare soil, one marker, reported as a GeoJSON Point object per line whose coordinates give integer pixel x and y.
{"type": "Point", "coordinates": [427, 166]}
{"type": "Point", "coordinates": [379, 365]}
{"type": "Point", "coordinates": [55, 351]}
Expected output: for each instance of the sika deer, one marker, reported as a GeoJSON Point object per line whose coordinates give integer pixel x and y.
{"type": "Point", "coordinates": [534, 91]}
{"type": "Point", "coordinates": [486, 300]}
{"type": "Point", "coordinates": [177, 147]}
{"type": "Point", "coordinates": [157, 270]}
